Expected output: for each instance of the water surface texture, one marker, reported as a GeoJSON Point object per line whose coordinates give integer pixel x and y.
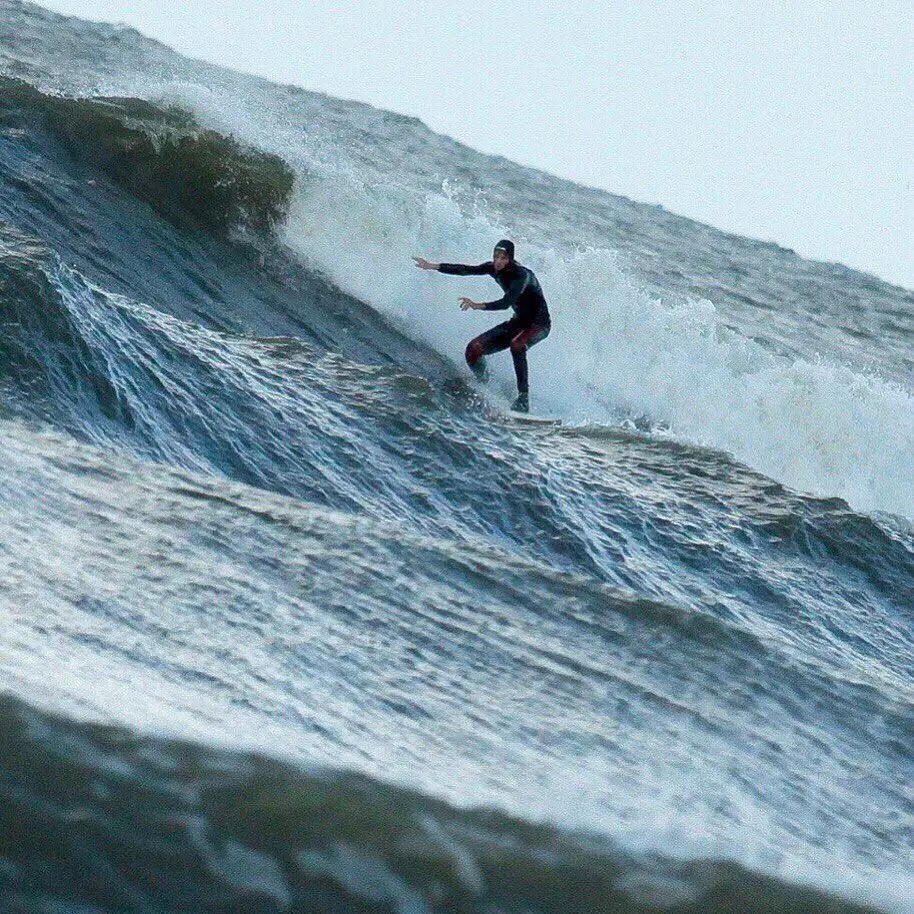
{"type": "Point", "coordinates": [293, 618]}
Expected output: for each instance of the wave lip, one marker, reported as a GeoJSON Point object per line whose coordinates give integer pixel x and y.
{"type": "Point", "coordinates": [187, 173]}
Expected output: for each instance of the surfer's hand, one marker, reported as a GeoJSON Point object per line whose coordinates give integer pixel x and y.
{"type": "Point", "coordinates": [467, 304]}
{"type": "Point", "coordinates": [423, 264]}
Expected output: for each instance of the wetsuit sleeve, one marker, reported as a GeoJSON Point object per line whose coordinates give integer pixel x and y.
{"type": "Point", "coordinates": [463, 269]}
{"type": "Point", "coordinates": [512, 294]}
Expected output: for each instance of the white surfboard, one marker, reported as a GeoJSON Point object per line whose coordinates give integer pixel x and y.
{"type": "Point", "coordinates": [532, 418]}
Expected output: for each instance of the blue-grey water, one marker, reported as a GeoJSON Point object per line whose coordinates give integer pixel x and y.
{"type": "Point", "coordinates": [293, 618]}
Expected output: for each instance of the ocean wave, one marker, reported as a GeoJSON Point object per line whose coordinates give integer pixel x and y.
{"type": "Point", "coordinates": [42, 352]}
{"type": "Point", "coordinates": [284, 415]}
{"type": "Point", "coordinates": [616, 350]}
{"type": "Point", "coordinates": [180, 603]}
{"type": "Point", "coordinates": [98, 816]}
{"type": "Point", "coordinates": [190, 175]}
{"type": "Point", "coordinates": [254, 501]}
{"type": "Point", "coordinates": [658, 352]}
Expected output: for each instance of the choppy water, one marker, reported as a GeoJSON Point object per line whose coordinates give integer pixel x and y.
{"type": "Point", "coordinates": [292, 618]}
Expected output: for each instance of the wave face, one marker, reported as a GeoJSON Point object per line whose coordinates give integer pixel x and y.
{"type": "Point", "coordinates": [657, 658]}
{"type": "Point", "coordinates": [800, 369]}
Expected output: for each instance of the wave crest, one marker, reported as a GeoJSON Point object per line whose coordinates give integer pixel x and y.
{"type": "Point", "coordinates": [191, 175]}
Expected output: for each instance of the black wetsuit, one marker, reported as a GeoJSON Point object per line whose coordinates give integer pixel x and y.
{"type": "Point", "coordinates": [530, 324]}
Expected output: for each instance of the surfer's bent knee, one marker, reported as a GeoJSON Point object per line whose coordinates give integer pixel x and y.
{"type": "Point", "coordinates": [474, 352]}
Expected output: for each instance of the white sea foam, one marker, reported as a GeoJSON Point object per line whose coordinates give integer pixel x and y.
{"type": "Point", "coordinates": [812, 424]}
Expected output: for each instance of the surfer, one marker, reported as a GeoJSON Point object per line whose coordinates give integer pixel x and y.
{"type": "Point", "coordinates": [529, 325]}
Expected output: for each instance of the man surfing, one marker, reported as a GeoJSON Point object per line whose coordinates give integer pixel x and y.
{"type": "Point", "coordinates": [529, 325]}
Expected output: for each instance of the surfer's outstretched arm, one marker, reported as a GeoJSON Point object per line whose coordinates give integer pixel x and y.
{"type": "Point", "coordinates": [456, 269]}
{"type": "Point", "coordinates": [465, 269]}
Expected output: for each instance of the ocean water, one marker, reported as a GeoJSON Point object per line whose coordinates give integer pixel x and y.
{"type": "Point", "coordinates": [294, 619]}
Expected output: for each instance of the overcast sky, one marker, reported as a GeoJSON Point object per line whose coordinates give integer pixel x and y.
{"type": "Point", "coordinates": [786, 121]}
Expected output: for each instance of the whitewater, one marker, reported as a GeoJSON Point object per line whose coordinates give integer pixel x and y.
{"type": "Point", "coordinates": [293, 619]}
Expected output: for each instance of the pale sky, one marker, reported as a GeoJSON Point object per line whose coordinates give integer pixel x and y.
{"type": "Point", "coordinates": [785, 121]}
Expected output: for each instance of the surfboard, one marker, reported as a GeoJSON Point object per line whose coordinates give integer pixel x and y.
{"type": "Point", "coordinates": [532, 418]}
